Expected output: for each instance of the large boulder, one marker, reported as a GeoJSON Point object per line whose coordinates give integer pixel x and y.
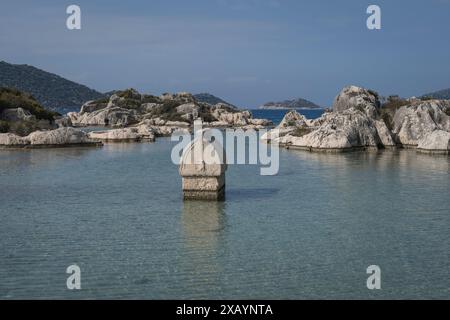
{"type": "Point", "coordinates": [232, 118]}
{"type": "Point", "coordinates": [12, 140]}
{"type": "Point", "coordinates": [413, 122]}
{"type": "Point", "coordinates": [437, 141]}
{"type": "Point", "coordinates": [92, 106]}
{"type": "Point", "coordinates": [59, 137]}
{"type": "Point", "coordinates": [292, 121]}
{"type": "Point", "coordinates": [359, 98]}
{"type": "Point", "coordinates": [110, 116]}
{"type": "Point", "coordinates": [339, 131]}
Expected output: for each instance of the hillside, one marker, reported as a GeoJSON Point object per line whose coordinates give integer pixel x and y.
{"type": "Point", "coordinates": [291, 104]}
{"type": "Point", "coordinates": [441, 94]}
{"type": "Point", "coordinates": [50, 90]}
{"type": "Point", "coordinates": [210, 99]}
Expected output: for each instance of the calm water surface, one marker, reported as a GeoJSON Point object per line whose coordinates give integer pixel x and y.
{"type": "Point", "coordinates": [309, 232]}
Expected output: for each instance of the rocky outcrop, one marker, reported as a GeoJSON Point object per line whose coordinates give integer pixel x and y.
{"type": "Point", "coordinates": [437, 141]}
{"type": "Point", "coordinates": [357, 123]}
{"type": "Point", "coordinates": [224, 115]}
{"type": "Point", "coordinates": [12, 140]}
{"type": "Point", "coordinates": [109, 116]}
{"type": "Point", "coordinates": [413, 122]}
{"type": "Point", "coordinates": [129, 107]}
{"type": "Point", "coordinates": [343, 131]}
{"type": "Point", "coordinates": [59, 137]}
{"type": "Point", "coordinates": [292, 121]}
{"type": "Point", "coordinates": [62, 137]}
{"type": "Point", "coordinates": [358, 98]}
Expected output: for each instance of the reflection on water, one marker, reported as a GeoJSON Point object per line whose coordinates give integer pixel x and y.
{"type": "Point", "coordinates": [203, 226]}
{"type": "Point", "coordinates": [203, 223]}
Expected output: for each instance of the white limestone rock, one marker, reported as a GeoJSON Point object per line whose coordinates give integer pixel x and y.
{"type": "Point", "coordinates": [359, 98]}
{"type": "Point", "coordinates": [437, 141]}
{"type": "Point", "coordinates": [384, 133]}
{"type": "Point", "coordinates": [59, 137]}
{"type": "Point", "coordinates": [12, 140]}
{"type": "Point", "coordinates": [344, 130]}
{"type": "Point", "coordinates": [414, 122]}
{"type": "Point", "coordinates": [110, 116]}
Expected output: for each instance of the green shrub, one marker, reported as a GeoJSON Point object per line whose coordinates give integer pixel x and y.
{"type": "Point", "coordinates": [447, 111]}
{"type": "Point", "coordinates": [150, 99]}
{"type": "Point", "coordinates": [387, 110]}
{"type": "Point", "coordinates": [104, 100]}
{"type": "Point", "coordinates": [23, 128]}
{"type": "Point", "coordinates": [301, 131]}
{"type": "Point", "coordinates": [12, 98]}
{"type": "Point", "coordinates": [4, 126]}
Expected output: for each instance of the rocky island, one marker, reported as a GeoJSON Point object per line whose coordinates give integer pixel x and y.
{"type": "Point", "coordinates": [129, 116]}
{"type": "Point", "coordinates": [290, 104]}
{"type": "Point", "coordinates": [358, 121]}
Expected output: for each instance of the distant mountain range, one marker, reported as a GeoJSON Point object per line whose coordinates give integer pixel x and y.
{"type": "Point", "coordinates": [441, 94]}
{"type": "Point", "coordinates": [291, 104]}
{"type": "Point", "coordinates": [209, 98]}
{"type": "Point", "coordinates": [50, 90]}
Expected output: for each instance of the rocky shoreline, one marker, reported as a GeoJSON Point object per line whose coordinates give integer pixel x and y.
{"type": "Point", "coordinates": [132, 117]}
{"type": "Point", "coordinates": [62, 137]}
{"type": "Point", "coordinates": [358, 121]}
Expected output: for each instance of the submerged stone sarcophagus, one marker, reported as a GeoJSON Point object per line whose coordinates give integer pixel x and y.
{"type": "Point", "coordinates": [202, 168]}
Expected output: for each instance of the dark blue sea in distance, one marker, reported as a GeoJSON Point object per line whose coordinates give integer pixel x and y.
{"type": "Point", "coordinates": [277, 115]}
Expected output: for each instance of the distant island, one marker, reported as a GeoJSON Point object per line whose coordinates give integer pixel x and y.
{"type": "Point", "coordinates": [50, 90]}
{"type": "Point", "coordinates": [291, 104]}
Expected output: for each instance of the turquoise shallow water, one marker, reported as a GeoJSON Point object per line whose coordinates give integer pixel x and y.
{"type": "Point", "coordinates": [309, 232]}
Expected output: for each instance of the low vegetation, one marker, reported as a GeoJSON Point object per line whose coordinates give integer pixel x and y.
{"type": "Point", "coordinates": [301, 131]}
{"type": "Point", "coordinates": [12, 98]}
{"type": "Point", "coordinates": [387, 110]}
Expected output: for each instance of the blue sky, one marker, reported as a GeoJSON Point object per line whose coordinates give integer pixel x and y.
{"type": "Point", "coordinates": [245, 51]}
